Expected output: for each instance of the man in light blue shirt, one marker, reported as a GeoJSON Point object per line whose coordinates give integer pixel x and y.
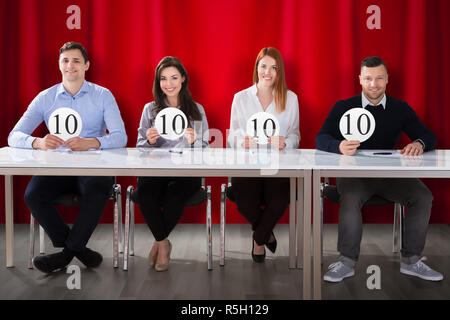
{"type": "Point", "coordinates": [99, 112]}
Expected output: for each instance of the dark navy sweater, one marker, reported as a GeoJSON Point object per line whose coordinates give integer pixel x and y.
{"type": "Point", "coordinates": [398, 116]}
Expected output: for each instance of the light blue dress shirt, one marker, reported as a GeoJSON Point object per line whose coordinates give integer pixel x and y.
{"type": "Point", "coordinates": [95, 105]}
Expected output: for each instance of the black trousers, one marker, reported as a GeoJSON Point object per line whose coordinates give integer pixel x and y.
{"type": "Point", "coordinates": [354, 192]}
{"type": "Point", "coordinates": [253, 193]}
{"type": "Point", "coordinates": [162, 199]}
{"type": "Point", "coordinates": [43, 190]}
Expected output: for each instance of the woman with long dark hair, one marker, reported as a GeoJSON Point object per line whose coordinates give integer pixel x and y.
{"type": "Point", "coordinates": [263, 201]}
{"type": "Point", "coordinates": [162, 199]}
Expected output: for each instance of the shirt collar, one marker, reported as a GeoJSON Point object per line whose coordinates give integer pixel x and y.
{"type": "Point", "coordinates": [254, 90]}
{"type": "Point", "coordinates": [84, 88]}
{"type": "Point", "coordinates": [366, 102]}
{"type": "Point", "coordinates": [168, 104]}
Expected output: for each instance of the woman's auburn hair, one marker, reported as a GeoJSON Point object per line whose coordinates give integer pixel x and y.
{"type": "Point", "coordinates": [280, 86]}
{"type": "Point", "coordinates": [187, 105]}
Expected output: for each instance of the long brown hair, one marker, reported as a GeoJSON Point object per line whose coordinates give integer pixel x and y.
{"type": "Point", "coordinates": [187, 105]}
{"type": "Point", "coordinates": [279, 86]}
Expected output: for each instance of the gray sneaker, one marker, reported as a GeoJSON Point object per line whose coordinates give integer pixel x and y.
{"type": "Point", "coordinates": [337, 272]}
{"type": "Point", "coordinates": [421, 270]}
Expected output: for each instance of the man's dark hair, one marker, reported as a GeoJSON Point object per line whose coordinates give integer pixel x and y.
{"type": "Point", "coordinates": [74, 45]}
{"type": "Point", "coordinates": [371, 62]}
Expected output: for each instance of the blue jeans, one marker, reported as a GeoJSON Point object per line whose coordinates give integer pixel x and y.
{"type": "Point", "coordinates": [42, 192]}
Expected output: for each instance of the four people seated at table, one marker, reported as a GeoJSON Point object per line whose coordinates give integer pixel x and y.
{"type": "Point", "coordinates": [262, 201]}
{"type": "Point", "coordinates": [162, 199]}
{"type": "Point", "coordinates": [99, 112]}
{"type": "Point", "coordinates": [392, 117]}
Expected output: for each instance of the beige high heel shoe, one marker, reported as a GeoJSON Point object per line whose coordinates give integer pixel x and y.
{"type": "Point", "coordinates": [152, 255]}
{"type": "Point", "coordinates": [164, 266]}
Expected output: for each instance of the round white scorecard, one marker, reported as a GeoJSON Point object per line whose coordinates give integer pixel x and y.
{"type": "Point", "coordinates": [171, 123]}
{"type": "Point", "coordinates": [65, 123]}
{"type": "Point", "coordinates": [357, 124]}
{"type": "Point", "coordinates": [261, 126]}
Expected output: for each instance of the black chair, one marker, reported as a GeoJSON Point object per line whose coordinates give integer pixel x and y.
{"type": "Point", "coordinates": [330, 193]}
{"type": "Point", "coordinates": [197, 199]}
{"type": "Point", "coordinates": [74, 199]}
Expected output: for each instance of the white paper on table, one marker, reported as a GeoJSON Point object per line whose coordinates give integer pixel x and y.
{"type": "Point", "coordinates": [64, 149]}
{"type": "Point", "coordinates": [162, 150]}
{"type": "Point", "coordinates": [379, 153]}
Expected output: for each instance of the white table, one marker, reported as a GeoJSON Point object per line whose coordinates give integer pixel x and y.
{"type": "Point", "coordinates": [434, 164]}
{"type": "Point", "coordinates": [293, 164]}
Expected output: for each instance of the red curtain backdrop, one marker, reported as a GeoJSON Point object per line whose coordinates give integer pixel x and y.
{"type": "Point", "coordinates": [322, 42]}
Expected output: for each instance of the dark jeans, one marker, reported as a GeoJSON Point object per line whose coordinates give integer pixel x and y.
{"type": "Point", "coordinates": [162, 199]}
{"type": "Point", "coordinates": [43, 190]}
{"type": "Point", "coordinates": [354, 192]}
{"type": "Point", "coordinates": [253, 193]}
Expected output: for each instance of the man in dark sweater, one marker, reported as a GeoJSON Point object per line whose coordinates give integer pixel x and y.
{"type": "Point", "coordinates": [392, 117]}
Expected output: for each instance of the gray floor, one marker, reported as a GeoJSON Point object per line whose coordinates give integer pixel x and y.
{"type": "Point", "coordinates": [240, 278]}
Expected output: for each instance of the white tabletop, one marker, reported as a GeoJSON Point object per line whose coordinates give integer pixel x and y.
{"type": "Point", "coordinates": [438, 160]}
{"type": "Point", "coordinates": [269, 162]}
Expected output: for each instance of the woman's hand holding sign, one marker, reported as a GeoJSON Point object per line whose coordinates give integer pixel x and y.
{"type": "Point", "coordinates": [249, 143]}
{"type": "Point", "coordinates": [152, 135]}
{"type": "Point", "coordinates": [277, 142]}
{"type": "Point", "coordinates": [189, 134]}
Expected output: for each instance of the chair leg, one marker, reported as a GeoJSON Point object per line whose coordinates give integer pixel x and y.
{"type": "Point", "coordinates": [208, 226]}
{"type": "Point", "coordinates": [31, 246]}
{"type": "Point", "coordinates": [401, 226]}
{"type": "Point", "coordinates": [127, 228]}
{"type": "Point", "coordinates": [321, 226]}
{"type": "Point", "coordinates": [223, 211]}
{"type": "Point", "coordinates": [118, 199]}
{"type": "Point", "coordinates": [116, 231]}
{"type": "Point", "coordinates": [131, 223]}
{"type": "Point", "coordinates": [41, 240]}
{"type": "Point", "coordinates": [395, 231]}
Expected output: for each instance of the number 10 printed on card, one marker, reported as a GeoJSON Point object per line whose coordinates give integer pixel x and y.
{"type": "Point", "coordinates": [261, 126]}
{"type": "Point", "coordinates": [65, 123]}
{"type": "Point", "coordinates": [357, 124]}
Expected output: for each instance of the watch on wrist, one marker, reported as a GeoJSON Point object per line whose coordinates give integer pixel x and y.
{"type": "Point", "coordinates": [421, 142]}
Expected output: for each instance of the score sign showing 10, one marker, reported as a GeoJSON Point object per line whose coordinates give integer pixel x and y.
{"type": "Point", "coordinates": [261, 126]}
{"type": "Point", "coordinates": [171, 123]}
{"type": "Point", "coordinates": [65, 123]}
{"type": "Point", "coordinates": [357, 124]}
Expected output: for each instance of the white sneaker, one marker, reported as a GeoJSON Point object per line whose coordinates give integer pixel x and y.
{"type": "Point", "coordinates": [421, 270]}
{"type": "Point", "coordinates": [337, 272]}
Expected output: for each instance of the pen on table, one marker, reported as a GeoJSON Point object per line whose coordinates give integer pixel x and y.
{"type": "Point", "coordinates": [382, 153]}
{"type": "Point", "coordinates": [175, 151]}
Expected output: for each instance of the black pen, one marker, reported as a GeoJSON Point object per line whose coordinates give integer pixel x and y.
{"type": "Point", "coordinates": [382, 153]}
{"type": "Point", "coordinates": [174, 151]}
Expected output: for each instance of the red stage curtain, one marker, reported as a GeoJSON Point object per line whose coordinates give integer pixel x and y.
{"type": "Point", "coordinates": [322, 42]}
